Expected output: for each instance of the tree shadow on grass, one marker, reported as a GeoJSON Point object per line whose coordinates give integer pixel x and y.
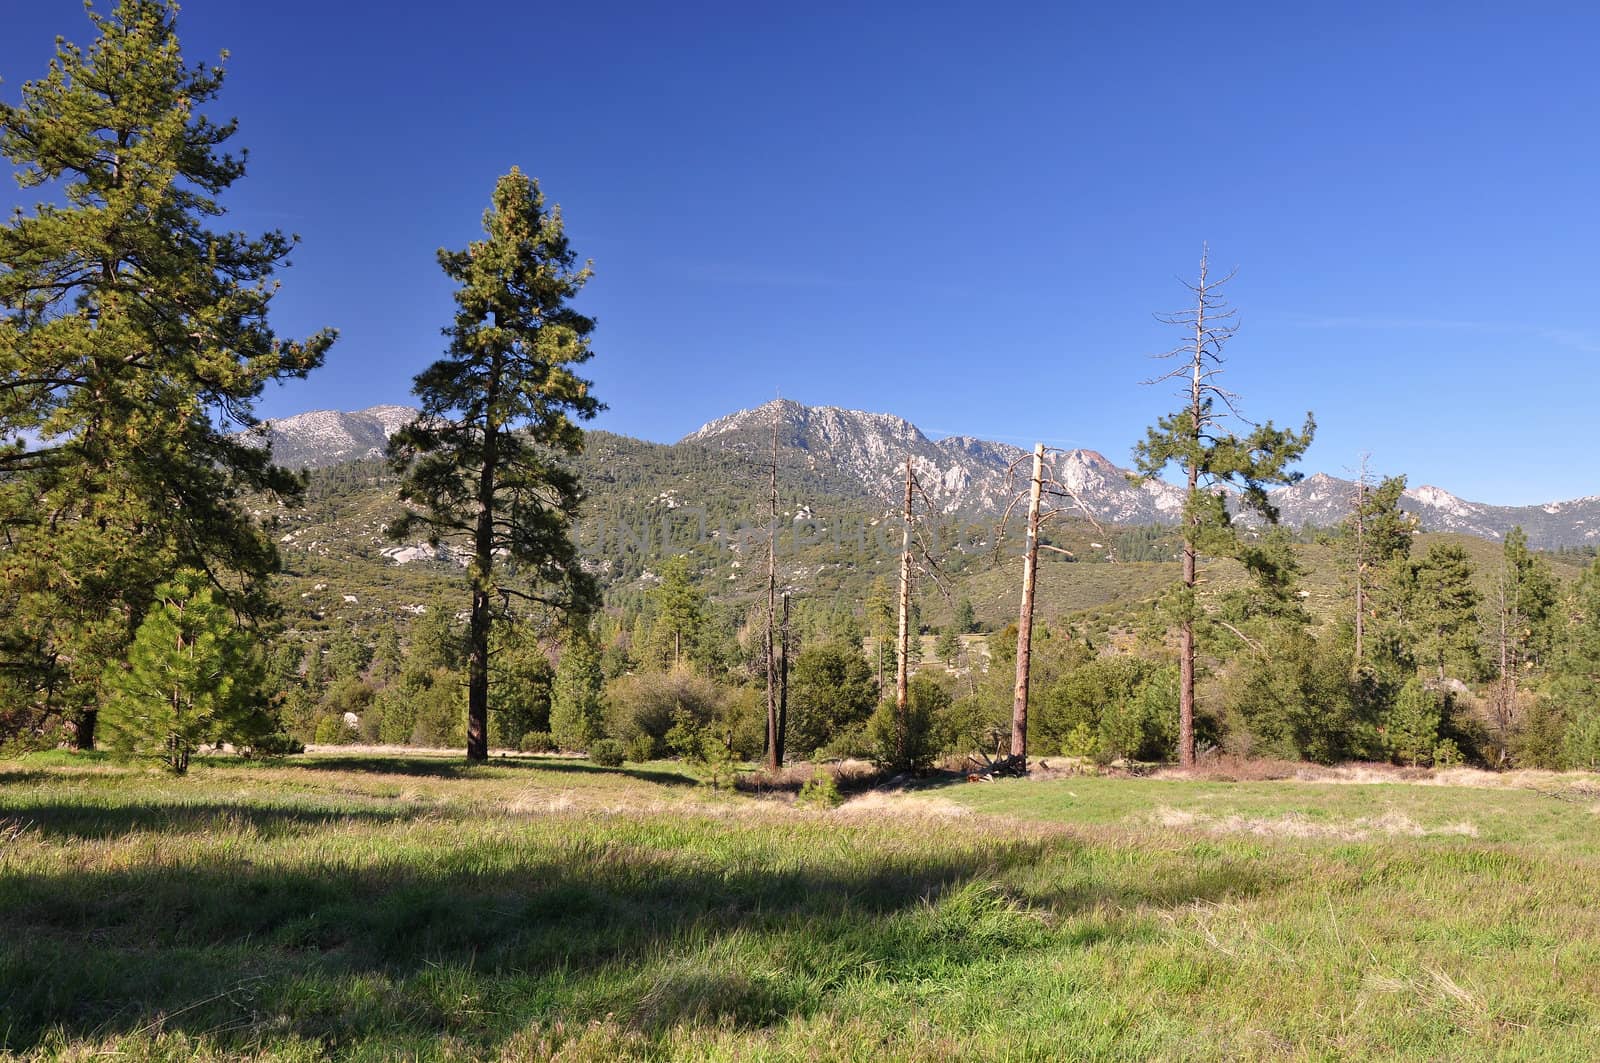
{"type": "Point", "coordinates": [377, 948]}
{"type": "Point", "coordinates": [441, 768]}
{"type": "Point", "coordinates": [85, 821]}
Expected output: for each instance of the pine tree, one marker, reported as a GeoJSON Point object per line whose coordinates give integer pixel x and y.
{"type": "Point", "coordinates": [1444, 610]}
{"type": "Point", "coordinates": [680, 613]}
{"type": "Point", "coordinates": [192, 678]}
{"type": "Point", "coordinates": [1196, 439]}
{"type": "Point", "coordinates": [132, 337]}
{"type": "Point", "coordinates": [576, 717]}
{"type": "Point", "coordinates": [1412, 729]}
{"type": "Point", "coordinates": [1372, 539]}
{"type": "Point", "coordinates": [498, 414]}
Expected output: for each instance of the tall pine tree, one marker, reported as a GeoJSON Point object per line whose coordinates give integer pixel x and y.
{"type": "Point", "coordinates": [483, 462]}
{"type": "Point", "coordinates": [1197, 439]}
{"type": "Point", "coordinates": [133, 336]}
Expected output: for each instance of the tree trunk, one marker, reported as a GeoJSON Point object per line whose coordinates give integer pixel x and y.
{"type": "Point", "coordinates": [1361, 563]}
{"type": "Point", "coordinates": [1030, 575]}
{"type": "Point", "coordinates": [902, 678]}
{"type": "Point", "coordinates": [783, 681]}
{"type": "Point", "coordinates": [774, 740]}
{"type": "Point", "coordinates": [1186, 656]}
{"type": "Point", "coordinates": [83, 732]}
{"type": "Point", "coordinates": [483, 564]}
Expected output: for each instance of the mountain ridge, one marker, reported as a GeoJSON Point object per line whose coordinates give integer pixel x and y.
{"type": "Point", "coordinates": [863, 452]}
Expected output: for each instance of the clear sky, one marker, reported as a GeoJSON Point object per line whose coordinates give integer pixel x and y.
{"type": "Point", "coordinates": [965, 215]}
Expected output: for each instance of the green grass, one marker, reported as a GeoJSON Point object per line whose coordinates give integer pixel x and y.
{"type": "Point", "coordinates": [383, 907]}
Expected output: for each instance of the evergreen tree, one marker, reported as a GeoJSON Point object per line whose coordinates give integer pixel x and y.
{"type": "Point", "coordinates": [1522, 625]}
{"type": "Point", "coordinates": [680, 613]}
{"type": "Point", "coordinates": [1372, 539]}
{"type": "Point", "coordinates": [1444, 604]}
{"type": "Point", "coordinates": [1565, 728]}
{"type": "Point", "coordinates": [1412, 729]}
{"type": "Point", "coordinates": [577, 715]}
{"type": "Point", "coordinates": [1196, 439]}
{"type": "Point", "coordinates": [966, 620]}
{"type": "Point", "coordinates": [192, 678]}
{"type": "Point", "coordinates": [132, 337]}
{"type": "Point", "coordinates": [498, 414]}
{"type": "Point", "coordinates": [523, 679]}
{"type": "Point", "coordinates": [881, 620]}
{"type": "Point", "coordinates": [831, 690]}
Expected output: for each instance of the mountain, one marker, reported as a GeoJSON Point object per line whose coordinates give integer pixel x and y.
{"type": "Point", "coordinates": [853, 454]}
{"type": "Point", "coordinates": [959, 473]}
{"type": "Point", "coordinates": [322, 438]}
{"type": "Point", "coordinates": [967, 475]}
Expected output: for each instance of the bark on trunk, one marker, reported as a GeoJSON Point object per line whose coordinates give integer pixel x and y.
{"type": "Point", "coordinates": [1030, 574]}
{"type": "Point", "coordinates": [902, 679]}
{"type": "Point", "coordinates": [483, 562]}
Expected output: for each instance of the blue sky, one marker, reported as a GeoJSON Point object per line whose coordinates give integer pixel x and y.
{"type": "Point", "coordinates": [966, 215]}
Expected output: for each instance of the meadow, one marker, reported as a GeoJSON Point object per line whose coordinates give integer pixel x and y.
{"type": "Point", "coordinates": [375, 906]}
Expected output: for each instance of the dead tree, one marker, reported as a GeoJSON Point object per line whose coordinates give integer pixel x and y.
{"type": "Point", "coordinates": [783, 680]}
{"type": "Point", "coordinates": [902, 675]}
{"type": "Point", "coordinates": [1030, 575]}
{"type": "Point", "coordinates": [774, 734]}
{"type": "Point", "coordinates": [1043, 487]}
{"type": "Point", "coordinates": [915, 555]}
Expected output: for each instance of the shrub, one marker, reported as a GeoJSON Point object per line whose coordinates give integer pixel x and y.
{"type": "Point", "coordinates": [831, 688]}
{"type": "Point", "coordinates": [911, 744]}
{"type": "Point", "coordinates": [1109, 708]}
{"type": "Point", "coordinates": [273, 745]}
{"type": "Point", "coordinates": [653, 703]}
{"type": "Point", "coordinates": [1081, 743]}
{"type": "Point", "coordinates": [1581, 741]}
{"type": "Point", "coordinates": [537, 742]}
{"type": "Point", "coordinates": [821, 790]}
{"type": "Point", "coordinates": [1447, 755]}
{"type": "Point", "coordinates": [607, 752]}
{"type": "Point", "coordinates": [641, 748]}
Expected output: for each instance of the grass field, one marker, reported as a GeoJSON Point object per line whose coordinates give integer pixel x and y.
{"type": "Point", "coordinates": [373, 907]}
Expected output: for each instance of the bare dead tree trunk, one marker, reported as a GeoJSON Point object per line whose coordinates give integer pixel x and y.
{"type": "Point", "coordinates": [1030, 574]}
{"type": "Point", "coordinates": [1198, 415]}
{"type": "Point", "coordinates": [902, 678]}
{"type": "Point", "coordinates": [774, 740]}
{"type": "Point", "coordinates": [783, 681]}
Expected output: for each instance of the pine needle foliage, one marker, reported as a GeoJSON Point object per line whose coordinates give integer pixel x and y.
{"type": "Point", "coordinates": [193, 678]}
{"type": "Point", "coordinates": [133, 339]}
{"type": "Point", "coordinates": [499, 411]}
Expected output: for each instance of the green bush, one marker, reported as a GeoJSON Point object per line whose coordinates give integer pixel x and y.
{"type": "Point", "coordinates": [537, 742]}
{"type": "Point", "coordinates": [821, 790]}
{"type": "Point", "coordinates": [607, 752]}
{"type": "Point", "coordinates": [641, 748]}
{"type": "Point", "coordinates": [273, 745]}
{"type": "Point", "coordinates": [911, 744]}
{"type": "Point", "coordinates": [1080, 742]}
{"type": "Point", "coordinates": [333, 731]}
{"type": "Point", "coordinates": [651, 704]}
{"type": "Point", "coordinates": [1412, 727]}
{"type": "Point", "coordinates": [193, 677]}
{"type": "Point", "coordinates": [831, 689]}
